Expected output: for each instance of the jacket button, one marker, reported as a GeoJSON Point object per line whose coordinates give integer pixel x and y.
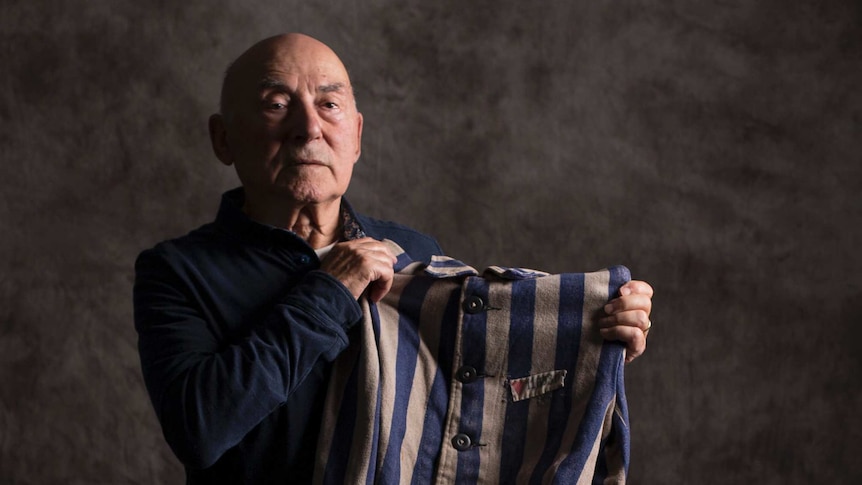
{"type": "Point", "coordinates": [473, 304]}
{"type": "Point", "coordinates": [462, 442]}
{"type": "Point", "coordinates": [466, 374]}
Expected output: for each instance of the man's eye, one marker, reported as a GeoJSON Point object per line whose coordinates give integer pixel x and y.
{"type": "Point", "coordinates": [276, 106]}
{"type": "Point", "coordinates": [330, 105]}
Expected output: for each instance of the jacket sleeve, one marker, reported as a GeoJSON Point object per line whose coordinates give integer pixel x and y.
{"type": "Point", "coordinates": [207, 394]}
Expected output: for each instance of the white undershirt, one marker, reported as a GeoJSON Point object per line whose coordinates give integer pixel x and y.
{"type": "Point", "coordinates": [322, 252]}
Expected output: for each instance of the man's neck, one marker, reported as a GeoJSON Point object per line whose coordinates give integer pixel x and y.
{"type": "Point", "coordinates": [319, 224]}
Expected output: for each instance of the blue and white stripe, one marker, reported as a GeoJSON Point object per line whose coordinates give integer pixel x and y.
{"type": "Point", "coordinates": [460, 378]}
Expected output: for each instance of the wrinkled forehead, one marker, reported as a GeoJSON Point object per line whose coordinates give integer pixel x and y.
{"type": "Point", "coordinates": [288, 60]}
{"type": "Point", "coordinates": [303, 59]}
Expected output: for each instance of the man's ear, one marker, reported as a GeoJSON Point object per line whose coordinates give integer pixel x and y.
{"type": "Point", "coordinates": [358, 136]}
{"type": "Point", "coordinates": [218, 138]}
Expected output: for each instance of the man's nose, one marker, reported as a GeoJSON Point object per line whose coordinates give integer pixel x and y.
{"type": "Point", "coordinates": [305, 123]}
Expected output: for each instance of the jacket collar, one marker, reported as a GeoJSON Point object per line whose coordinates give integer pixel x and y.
{"type": "Point", "coordinates": [445, 267]}
{"type": "Point", "coordinates": [235, 221]}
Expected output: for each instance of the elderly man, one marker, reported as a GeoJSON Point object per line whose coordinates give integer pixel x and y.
{"type": "Point", "coordinates": [239, 320]}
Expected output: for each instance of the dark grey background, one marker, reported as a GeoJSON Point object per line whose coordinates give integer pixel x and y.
{"type": "Point", "coordinates": [712, 147]}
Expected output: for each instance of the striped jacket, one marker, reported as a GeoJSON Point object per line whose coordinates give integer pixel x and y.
{"type": "Point", "coordinates": [459, 378]}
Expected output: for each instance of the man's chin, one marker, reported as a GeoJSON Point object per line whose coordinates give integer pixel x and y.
{"type": "Point", "coordinates": [306, 193]}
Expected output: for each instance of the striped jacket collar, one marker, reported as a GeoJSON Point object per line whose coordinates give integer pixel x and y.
{"type": "Point", "coordinates": [447, 267]}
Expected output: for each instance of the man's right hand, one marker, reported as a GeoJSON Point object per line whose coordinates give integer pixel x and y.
{"type": "Point", "coordinates": [360, 264]}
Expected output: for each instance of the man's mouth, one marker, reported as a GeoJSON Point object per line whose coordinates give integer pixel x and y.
{"type": "Point", "coordinates": [309, 161]}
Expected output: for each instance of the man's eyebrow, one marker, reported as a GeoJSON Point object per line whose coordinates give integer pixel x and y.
{"type": "Point", "coordinates": [331, 88]}
{"type": "Point", "coordinates": [270, 83]}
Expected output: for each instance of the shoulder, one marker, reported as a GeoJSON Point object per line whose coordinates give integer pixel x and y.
{"type": "Point", "coordinates": [197, 253]}
{"type": "Point", "coordinates": [172, 253]}
{"type": "Point", "coordinates": [205, 234]}
{"type": "Point", "coordinates": [419, 246]}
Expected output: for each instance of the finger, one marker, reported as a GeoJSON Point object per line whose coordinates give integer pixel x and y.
{"type": "Point", "coordinates": [633, 338]}
{"type": "Point", "coordinates": [629, 303]}
{"type": "Point", "coordinates": [380, 287]}
{"type": "Point", "coordinates": [633, 318]}
{"type": "Point", "coordinates": [373, 247]}
{"type": "Point", "coordinates": [638, 288]}
{"type": "Point", "coordinates": [350, 254]}
{"type": "Point", "coordinates": [381, 281]}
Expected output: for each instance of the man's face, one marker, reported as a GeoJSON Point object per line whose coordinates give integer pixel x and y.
{"type": "Point", "coordinates": [291, 124]}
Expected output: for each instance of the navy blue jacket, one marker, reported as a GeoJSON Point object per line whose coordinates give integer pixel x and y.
{"type": "Point", "coordinates": [237, 328]}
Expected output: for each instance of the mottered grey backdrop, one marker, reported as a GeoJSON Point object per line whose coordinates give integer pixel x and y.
{"type": "Point", "coordinates": [712, 147]}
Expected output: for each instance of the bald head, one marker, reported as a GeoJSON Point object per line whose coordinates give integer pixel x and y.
{"type": "Point", "coordinates": [291, 51]}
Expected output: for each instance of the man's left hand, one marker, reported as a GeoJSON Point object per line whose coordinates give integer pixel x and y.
{"type": "Point", "coordinates": [627, 318]}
